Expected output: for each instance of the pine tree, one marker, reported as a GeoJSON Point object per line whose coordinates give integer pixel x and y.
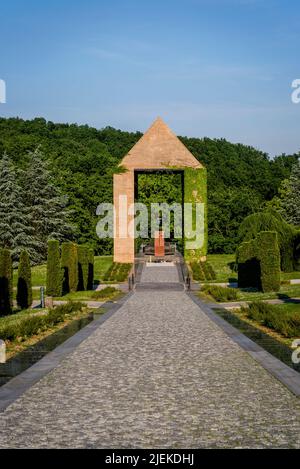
{"type": "Point", "coordinates": [16, 233]}
{"type": "Point", "coordinates": [6, 282]}
{"type": "Point", "coordinates": [290, 197]}
{"type": "Point", "coordinates": [24, 287]}
{"type": "Point", "coordinates": [49, 217]}
{"type": "Point", "coordinates": [54, 274]}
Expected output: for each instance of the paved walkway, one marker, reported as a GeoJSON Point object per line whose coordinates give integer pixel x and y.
{"type": "Point", "coordinates": [159, 373]}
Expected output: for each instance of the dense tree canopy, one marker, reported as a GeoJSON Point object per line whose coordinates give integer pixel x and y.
{"type": "Point", "coordinates": [83, 159]}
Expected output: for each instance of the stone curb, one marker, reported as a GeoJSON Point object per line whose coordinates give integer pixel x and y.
{"type": "Point", "coordinates": [17, 386]}
{"type": "Point", "coordinates": [283, 373]}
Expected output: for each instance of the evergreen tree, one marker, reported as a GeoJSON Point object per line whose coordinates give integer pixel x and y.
{"type": "Point", "coordinates": [290, 197]}
{"type": "Point", "coordinates": [48, 215]}
{"type": "Point", "coordinates": [24, 287]}
{"type": "Point", "coordinates": [16, 233]}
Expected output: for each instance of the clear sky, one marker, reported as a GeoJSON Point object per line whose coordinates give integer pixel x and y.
{"type": "Point", "coordinates": [216, 68]}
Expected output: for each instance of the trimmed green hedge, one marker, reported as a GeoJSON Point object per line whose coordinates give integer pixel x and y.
{"type": "Point", "coordinates": [285, 322]}
{"type": "Point", "coordinates": [6, 282]}
{"type": "Point", "coordinates": [107, 292]}
{"type": "Point", "coordinates": [90, 284]}
{"type": "Point", "coordinates": [220, 293]}
{"type": "Point", "coordinates": [259, 262]}
{"type": "Point", "coordinates": [195, 191]}
{"type": "Point", "coordinates": [24, 285]}
{"type": "Point", "coordinates": [25, 326]}
{"type": "Point", "coordinates": [117, 272]}
{"type": "Point", "coordinates": [54, 273]}
{"type": "Point", "coordinates": [83, 268]}
{"type": "Point", "coordinates": [202, 271]}
{"type": "Point", "coordinates": [69, 264]}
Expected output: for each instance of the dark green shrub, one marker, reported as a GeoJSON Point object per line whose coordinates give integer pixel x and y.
{"type": "Point", "coordinates": [274, 317]}
{"type": "Point", "coordinates": [24, 286]}
{"type": "Point", "coordinates": [220, 294]}
{"type": "Point", "coordinates": [259, 262]}
{"type": "Point", "coordinates": [26, 326]}
{"type": "Point", "coordinates": [117, 272]}
{"type": "Point", "coordinates": [211, 271]}
{"type": "Point", "coordinates": [83, 268]}
{"type": "Point", "coordinates": [90, 283]}
{"type": "Point", "coordinates": [202, 271]}
{"type": "Point", "coordinates": [271, 221]}
{"type": "Point", "coordinates": [6, 282]}
{"type": "Point", "coordinates": [54, 272]}
{"type": "Point", "coordinates": [69, 264]}
{"type": "Point", "coordinates": [107, 292]}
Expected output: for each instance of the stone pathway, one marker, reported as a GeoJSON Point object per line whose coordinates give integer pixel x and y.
{"type": "Point", "coordinates": [158, 374]}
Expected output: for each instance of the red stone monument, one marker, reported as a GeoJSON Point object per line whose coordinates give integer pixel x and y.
{"type": "Point", "coordinates": [159, 244]}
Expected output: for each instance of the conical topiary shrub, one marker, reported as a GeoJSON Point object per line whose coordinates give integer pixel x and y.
{"type": "Point", "coordinates": [24, 287]}
{"type": "Point", "coordinates": [83, 267]}
{"type": "Point", "coordinates": [6, 282]}
{"type": "Point", "coordinates": [69, 264]}
{"type": "Point", "coordinates": [54, 273]}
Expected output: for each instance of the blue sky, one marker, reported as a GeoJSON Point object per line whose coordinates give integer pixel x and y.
{"type": "Point", "coordinates": [216, 68]}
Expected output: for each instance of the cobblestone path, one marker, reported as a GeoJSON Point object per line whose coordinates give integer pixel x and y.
{"type": "Point", "coordinates": [159, 373]}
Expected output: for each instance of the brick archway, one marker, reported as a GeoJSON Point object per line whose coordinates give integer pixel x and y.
{"type": "Point", "coordinates": [158, 149]}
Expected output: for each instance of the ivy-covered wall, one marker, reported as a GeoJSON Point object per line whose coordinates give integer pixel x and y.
{"type": "Point", "coordinates": [195, 191]}
{"type": "Point", "coordinates": [259, 262]}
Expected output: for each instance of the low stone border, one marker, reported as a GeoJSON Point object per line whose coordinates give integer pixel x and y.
{"type": "Point", "coordinates": [12, 390]}
{"type": "Point", "coordinates": [286, 375]}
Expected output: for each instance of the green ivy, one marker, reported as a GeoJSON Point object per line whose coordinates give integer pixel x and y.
{"type": "Point", "coordinates": [195, 191]}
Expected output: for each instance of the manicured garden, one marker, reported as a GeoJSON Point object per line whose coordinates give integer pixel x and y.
{"type": "Point", "coordinates": [69, 276]}
{"type": "Point", "coordinates": [26, 328]}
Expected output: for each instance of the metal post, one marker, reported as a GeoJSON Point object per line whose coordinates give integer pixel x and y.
{"type": "Point", "coordinates": [42, 296]}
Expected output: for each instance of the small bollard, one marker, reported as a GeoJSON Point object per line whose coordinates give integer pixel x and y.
{"type": "Point", "coordinates": [132, 280]}
{"type": "Point", "coordinates": [42, 296]}
{"type": "Point", "coordinates": [2, 352]}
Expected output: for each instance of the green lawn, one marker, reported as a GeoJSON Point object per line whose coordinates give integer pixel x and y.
{"type": "Point", "coordinates": [221, 265]}
{"type": "Point", "coordinates": [102, 264]}
{"type": "Point", "coordinates": [90, 295]}
{"type": "Point", "coordinates": [287, 291]}
{"type": "Point", "coordinates": [290, 275]}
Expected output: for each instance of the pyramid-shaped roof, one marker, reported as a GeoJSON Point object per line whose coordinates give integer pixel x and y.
{"type": "Point", "coordinates": [159, 148]}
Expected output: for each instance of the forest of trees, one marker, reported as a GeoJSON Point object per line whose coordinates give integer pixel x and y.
{"type": "Point", "coordinates": [72, 166]}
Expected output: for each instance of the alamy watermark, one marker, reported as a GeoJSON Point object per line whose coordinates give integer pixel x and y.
{"type": "Point", "coordinates": [296, 93]}
{"type": "Point", "coordinates": [2, 92]}
{"type": "Point", "coordinates": [136, 220]}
